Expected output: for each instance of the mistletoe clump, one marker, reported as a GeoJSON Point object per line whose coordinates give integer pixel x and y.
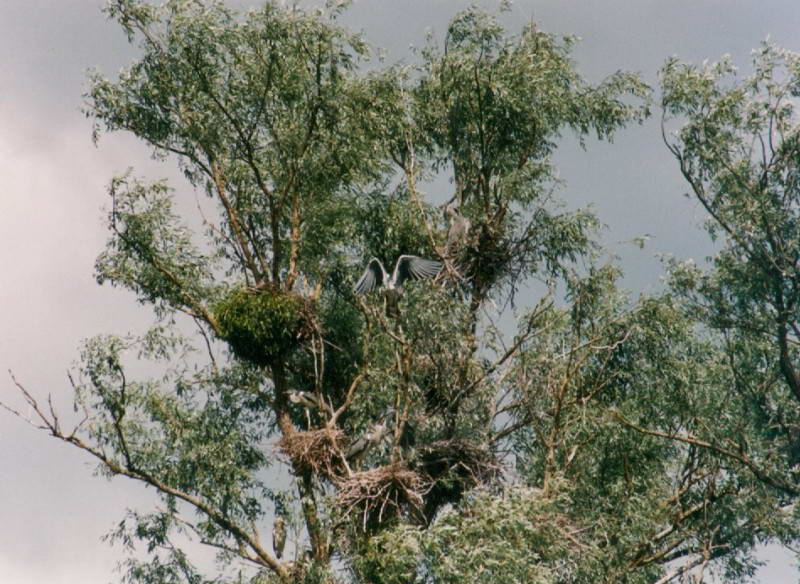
{"type": "Point", "coordinates": [262, 325]}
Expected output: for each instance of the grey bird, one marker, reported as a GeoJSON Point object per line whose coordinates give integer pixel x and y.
{"type": "Point", "coordinates": [360, 447]}
{"type": "Point", "coordinates": [279, 535]}
{"type": "Point", "coordinates": [457, 232]}
{"type": "Point", "coordinates": [407, 267]}
{"type": "Point", "coordinates": [305, 399]}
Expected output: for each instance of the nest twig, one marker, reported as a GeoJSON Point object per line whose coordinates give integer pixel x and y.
{"type": "Point", "coordinates": [454, 467]}
{"type": "Point", "coordinates": [309, 320]}
{"type": "Point", "coordinates": [474, 463]}
{"type": "Point", "coordinates": [381, 494]}
{"type": "Point", "coordinates": [316, 451]}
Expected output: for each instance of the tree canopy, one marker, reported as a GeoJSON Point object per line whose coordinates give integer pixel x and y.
{"type": "Point", "coordinates": [596, 438]}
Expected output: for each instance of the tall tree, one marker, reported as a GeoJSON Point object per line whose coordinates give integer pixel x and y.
{"type": "Point", "coordinates": [599, 443]}
{"type": "Point", "coordinates": [736, 141]}
{"type": "Point", "coordinates": [738, 150]}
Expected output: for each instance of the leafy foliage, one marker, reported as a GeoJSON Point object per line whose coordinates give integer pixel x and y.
{"type": "Point", "coordinates": [261, 325]}
{"type": "Point", "coordinates": [491, 107]}
{"type": "Point", "coordinates": [151, 251]}
{"type": "Point", "coordinates": [520, 536]}
{"type": "Point", "coordinates": [737, 149]}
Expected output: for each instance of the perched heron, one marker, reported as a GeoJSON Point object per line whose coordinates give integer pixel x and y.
{"type": "Point", "coordinates": [305, 399]}
{"type": "Point", "coordinates": [309, 401]}
{"type": "Point", "coordinates": [457, 232]}
{"type": "Point", "coordinates": [360, 447]}
{"type": "Point", "coordinates": [407, 267]}
{"type": "Point", "coordinates": [279, 535]}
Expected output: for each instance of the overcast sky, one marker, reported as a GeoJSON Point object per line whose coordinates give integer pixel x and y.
{"type": "Point", "coordinates": [53, 511]}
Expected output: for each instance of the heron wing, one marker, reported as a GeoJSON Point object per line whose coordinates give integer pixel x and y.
{"type": "Point", "coordinates": [415, 267]}
{"type": "Point", "coordinates": [371, 279]}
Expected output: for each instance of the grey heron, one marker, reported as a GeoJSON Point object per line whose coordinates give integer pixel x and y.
{"type": "Point", "coordinates": [305, 399]}
{"type": "Point", "coordinates": [457, 232]}
{"type": "Point", "coordinates": [358, 448]}
{"type": "Point", "coordinates": [407, 267]}
{"type": "Point", "coordinates": [310, 402]}
{"type": "Point", "coordinates": [279, 535]}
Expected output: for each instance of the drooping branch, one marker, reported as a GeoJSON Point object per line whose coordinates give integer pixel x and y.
{"type": "Point", "coordinates": [192, 306]}
{"type": "Point", "coordinates": [50, 423]}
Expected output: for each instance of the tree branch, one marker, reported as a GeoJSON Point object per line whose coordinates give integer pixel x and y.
{"type": "Point", "coordinates": [689, 439]}
{"type": "Point", "coordinates": [50, 423]}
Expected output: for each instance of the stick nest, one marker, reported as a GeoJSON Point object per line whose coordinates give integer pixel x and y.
{"type": "Point", "coordinates": [454, 467]}
{"type": "Point", "coordinates": [382, 494]}
{"type": "Point", "coordinates": [316, 451]}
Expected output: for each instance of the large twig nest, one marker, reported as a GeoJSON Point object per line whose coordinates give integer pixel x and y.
{"type": "Point", "coordinates": [381, 494]}
{"type": "Point", "coordinates": [454, 467]}
{"type": "Point", "coordinates": [316, 451]}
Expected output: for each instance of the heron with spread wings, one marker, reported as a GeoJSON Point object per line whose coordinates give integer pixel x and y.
{"type": "Point", "coordinates": [408, 267]}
